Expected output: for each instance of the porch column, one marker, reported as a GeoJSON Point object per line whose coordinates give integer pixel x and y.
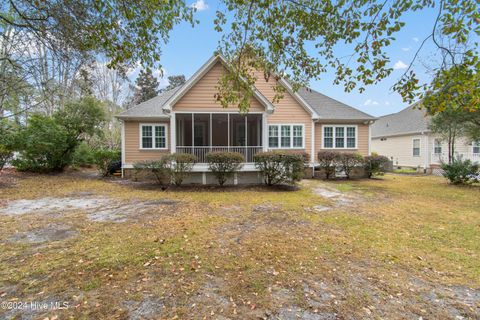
{"type": "Point", "coordinates": [173, 133]}
{"type": "Point", "coordinates": [264, 131]}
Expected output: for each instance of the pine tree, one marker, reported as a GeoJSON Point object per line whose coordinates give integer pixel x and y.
{"type": "Point", "coordinates": [146, 87]}
{"type": "Point", "coordinates": [174, 81]}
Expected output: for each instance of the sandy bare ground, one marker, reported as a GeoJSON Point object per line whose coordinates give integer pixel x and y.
{"type": "Point", "coordinates": [342, 250]}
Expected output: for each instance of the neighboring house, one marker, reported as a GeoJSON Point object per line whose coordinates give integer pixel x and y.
{"type": "Point", "coordinates": [188, 119]}
{"type": "Point", "coordinates": [405, 138]}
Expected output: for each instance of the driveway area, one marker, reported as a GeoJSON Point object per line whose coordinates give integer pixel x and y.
{"type": "Point", "coordinates": [76, 246]}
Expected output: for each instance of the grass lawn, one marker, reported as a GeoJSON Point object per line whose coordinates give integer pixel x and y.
{"type": "Point", "coordinates": [397, 247]}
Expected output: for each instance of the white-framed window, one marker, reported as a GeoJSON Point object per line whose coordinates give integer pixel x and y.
{"type": "Point", "coordinates": [286, 136]}
{"type": "Point", "coordinates": [339, 137]}
{"type": "Point", "coordinates": [416, 147]}
{"type": "Point", "coordinates": [437, 146]}
{"type": "Point", "coordinates": [153, 136]}
{"type": "Point", "coordinates": [273, 136]}
{"type": "Point", "coordinates": [476, 147]}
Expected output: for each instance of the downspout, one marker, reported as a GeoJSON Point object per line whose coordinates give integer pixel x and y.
{"type": "Point", "coordinates": [123, 147]}
{"type": "Point", "coordinates": [427, 152]}
{"type": "Point", "coordinates": [312, 147]}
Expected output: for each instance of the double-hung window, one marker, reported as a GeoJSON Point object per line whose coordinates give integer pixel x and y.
{"type": "Point", "coordinates": [286, 136]}
{"type": "Point", "coordinates": [339, 137]}
{"type": "Point", "coordinates": [416, 147]}
{"type": "Point", "coordinates": [476, 147]}
{"type": "Point", "coordinates": [437, 146]}
{"type": "Point", "coordinates": [153, 136]}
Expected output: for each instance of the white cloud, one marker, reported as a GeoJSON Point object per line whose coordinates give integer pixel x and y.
{"type": "Point", "coordinates": [406, 49]}
{"type": "Point", "coordinates": [387, 103]}
{"type": "Point", "coordinates": [400, 65]}
{"type": "Point", "coordinates": [134, 70]}
{"type": "Point", "coordinates": [370, 102]}
{"type": "Point", "coordinates": [415, 39]}
{"type": "Point", "coordinates": [200, 5]}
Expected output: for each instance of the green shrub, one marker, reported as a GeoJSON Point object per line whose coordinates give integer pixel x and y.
{"type": "Point", "coordinates": [224, 164]}
{"type": "Point", "coordinates": [48, 143]}
{"type": "Point", "coordinates": [156, 167]}
{"type": "Point", "coordinates": [327, 160]}
{"type": "Point", "coordinates": [348, 161]}
{"type": "Point", "coordinates": [103, 159]}
{"type": "Point", "coordinates": [280, 166]}
{"type": "Point", "coordinates": [83, 156]}
{"type": "Point", "coordinates": [178, 165]}
{"type": "Point", "coordinates": [460, 171]}
{"type": "Point", "coordinates": [5, 155]}
{"type": "Point", "coordinates": [43, 146]}
{"type": "Point", "coordinates": [375, 165]}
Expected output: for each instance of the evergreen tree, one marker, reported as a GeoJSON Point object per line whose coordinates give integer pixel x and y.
{"type": "Point", "coordinates": [146, 87]}
{"type": "Point", "coordinates": [174, 82]}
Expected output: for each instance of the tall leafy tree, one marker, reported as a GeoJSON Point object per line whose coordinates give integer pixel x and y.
{"type": "Point", "coordinates": [275, 37]}
{"type": "Point", "coordinates": [124, 31]}
{"type": "Point", "coordinates": [457, 87]}
{"type": "Point", "coordinates": [47, 143]}
{"type": "Point", "coordinates": [301, 39]}
{"type": "Point", "coordinates": [453, 100]}
{"type": "Point", "coordinates": [449, 125]}
{"type": "Point", "coordinates": [174, 82]}
{"type": "Point", "coordinates": [146, 86]}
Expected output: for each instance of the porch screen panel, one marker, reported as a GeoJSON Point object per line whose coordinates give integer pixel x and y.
{"type": "Point", "coordinates": [254, 130]}
{"type": "Point", "coordinates": [219, 130]}
{"type": "Point", "coordinates": [201, 128]}
{"type": "Point", "coordinates": [183, 129]}
{"type": "Point", "coordinates": [237, 130]}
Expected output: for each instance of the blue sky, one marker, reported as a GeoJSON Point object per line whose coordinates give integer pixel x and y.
{"type": "Point", "coordinates": [190, 47]}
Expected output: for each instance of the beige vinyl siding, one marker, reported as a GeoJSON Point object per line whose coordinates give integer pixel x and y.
{"type": "Point", "coordinates": [201, 97]}
{"type": "Point", "coordinates": [287, 110]}
{"type": "Point", "coordinates": [400, 149]}
{"type": "Point", "coordinates": [362, 138]}
{"type": "Point", "coordinates": [133, 153]}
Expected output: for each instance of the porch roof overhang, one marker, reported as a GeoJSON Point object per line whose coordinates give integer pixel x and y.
{"type": "Point", "coordinates": [167, 107]}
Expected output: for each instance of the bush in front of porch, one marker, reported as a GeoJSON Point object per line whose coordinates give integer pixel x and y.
{"type": "Point", "coordinates": [223, 165]}
{"type": "Point", "coordinates": [279, 167]}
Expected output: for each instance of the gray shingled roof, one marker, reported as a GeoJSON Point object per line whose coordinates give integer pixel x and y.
{"type": "Point", "coordinates": [326, 107]}
{"type": "Point", "coordinates": [331, 109]}
{"type": "Point", "coordinates": [409, 120]}
{"type": "Point", "coordinates": [150, 108]}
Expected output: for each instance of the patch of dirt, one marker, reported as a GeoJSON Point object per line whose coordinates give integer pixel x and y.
{"type": "Point", "coordinates": [296, 313]}
{"type": "Point", "coordinates": [166, 202]}
{"type": "Point", "coordinates": [148, 308]}
{"type": "Point", "coordinates": [265, 207]}
{"type": "Point", "coordinates": [97, 209]}
{"type": "Point", "coordinates": [337, 198]}
{"type": "Point", "coordinates": [48, 233]}
{"type": "Point", "coordinates": [51, 205]}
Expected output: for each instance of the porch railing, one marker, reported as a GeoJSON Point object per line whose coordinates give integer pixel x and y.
{"type": "Point", "coordinates": [443, 157]}
{"type": "Point", "coordinates": [201, 152]}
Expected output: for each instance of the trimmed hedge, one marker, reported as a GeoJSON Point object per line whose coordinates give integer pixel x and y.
{"type": "Point", "coordinates": [280, 166]}
{"type": "Point", "coordinates": [375, 165]}
{"type": "Point", "coordinates": [156, 167]}
{"type": "Point", "coordinates": [348, 161]}
{"type": "Point", "coordinates": [178, 165]}
{"type": "Point", "coordinates": [223, 165]}
{"type": "Point", "coordinates": [327, 160]}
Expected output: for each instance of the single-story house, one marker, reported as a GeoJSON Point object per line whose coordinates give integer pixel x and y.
{"type": "Point", "coordinates": [188, 119]}
{"type": "Point", "coordinates": [405, 138]}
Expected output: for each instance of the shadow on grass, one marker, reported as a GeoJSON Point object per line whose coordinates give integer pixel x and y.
{"type": "Point", "coordinates": [150, 185]}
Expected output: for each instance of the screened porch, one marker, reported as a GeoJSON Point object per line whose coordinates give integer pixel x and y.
{"type": "Point", "coordinates": [201, 133]}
